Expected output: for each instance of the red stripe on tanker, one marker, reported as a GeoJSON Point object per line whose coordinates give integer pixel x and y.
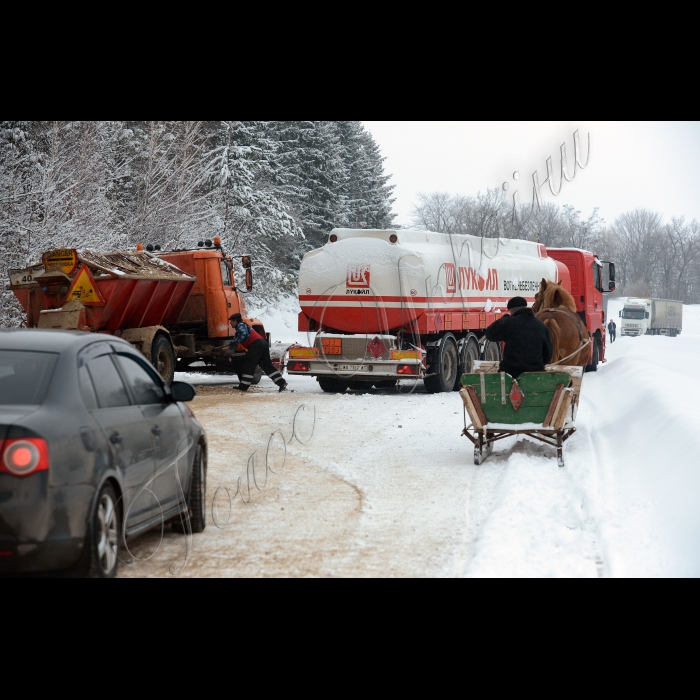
{"type": "Point", "coordinates": [365, 283]}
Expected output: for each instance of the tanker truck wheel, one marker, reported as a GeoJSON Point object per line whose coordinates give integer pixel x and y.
{"type": "Point", "coordinates": [385, 384]}
{"type": "Point", "coordinates": [163, 358]}
{"type": "Point", "coordinates": [444, 367]}
{"type": "Point", "coordinates": [492, 353]}
{"type": "Point", "coordinates": [331, 385]}
{"type": "Point", "coordinates": [470, 354]}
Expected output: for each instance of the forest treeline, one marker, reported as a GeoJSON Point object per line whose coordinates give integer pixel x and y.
{"type": "Point", "coordinates": [653, 258]}
{"type": "Point", "coordinates": [272, 190]}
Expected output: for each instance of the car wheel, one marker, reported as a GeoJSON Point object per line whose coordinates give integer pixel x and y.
{"type": "Point", "coordinates": [104, 539]}
{"type": "Point", "coordinates": [196, 508]}
{"type": "Point", "coordinates": [163, 359]}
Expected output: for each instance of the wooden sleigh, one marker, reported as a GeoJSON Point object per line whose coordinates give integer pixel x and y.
{"type": "Point", "coordinates": [542, 405]}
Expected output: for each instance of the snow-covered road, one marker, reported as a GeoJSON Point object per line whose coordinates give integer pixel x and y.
{"type": "Point", "coordinates": [386, 486]}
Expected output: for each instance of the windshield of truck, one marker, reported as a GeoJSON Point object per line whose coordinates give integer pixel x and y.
{"type": "Point", "coordinates": [25, 377]}
{"type": "Point", "coordinates": [226, 274]}
{"type": "Point", "coordinates": [635, 314]}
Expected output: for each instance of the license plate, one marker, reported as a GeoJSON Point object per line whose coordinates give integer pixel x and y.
{"type": "Point", "coordinates": [352, 368]}
{"type": "Point", "coordinates": [19, 277]}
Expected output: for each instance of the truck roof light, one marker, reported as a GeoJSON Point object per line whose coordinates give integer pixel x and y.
{"type": "Point", "coordinates": [217, 242]}
{"type": "Point", "coordinates": [333, 238]}
{"type": "Point", "coordinates": [139, 246]}
{"type": "Point", "coordinates": [200, 244]}
{"type": "Point", "coordinates": [149, 248]}
{"type": "Point", "coordinates": [208, 243]}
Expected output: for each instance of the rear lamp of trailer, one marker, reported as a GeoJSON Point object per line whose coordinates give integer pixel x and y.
{"type": "Point", "coordinates": [299, 366]}
{"type": "Point", "coordinates": [408, 369]}
{"type": "Point", "coordinates": [393, 238]}
{"type": "Point", "coordinates": [24, 456]}
{"type": "Point", "coordinates": [333, 238]}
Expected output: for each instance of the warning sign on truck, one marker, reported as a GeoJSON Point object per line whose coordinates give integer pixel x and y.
{"type": "Point", "coordinates": [65, 259]}
{"type": "Point", "coordinates": [85, 290]}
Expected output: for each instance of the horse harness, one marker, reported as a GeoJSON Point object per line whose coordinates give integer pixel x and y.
{"type": "Point", "coordinates": [583, 341]}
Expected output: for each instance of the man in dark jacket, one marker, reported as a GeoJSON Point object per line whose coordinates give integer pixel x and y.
{"type": "Point", "coordinates": [258, 354]}
{"type": "Point", "coordinates": [612, 327]}
{"type": "Point", "coordinates": [528, 343]}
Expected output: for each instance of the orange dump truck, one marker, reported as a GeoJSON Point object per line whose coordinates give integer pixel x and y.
{"type": "Point", "coordinates": [173, 305]}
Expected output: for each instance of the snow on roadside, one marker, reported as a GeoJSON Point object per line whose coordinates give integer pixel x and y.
{"type": "Point", "coordinates": [645, 431]}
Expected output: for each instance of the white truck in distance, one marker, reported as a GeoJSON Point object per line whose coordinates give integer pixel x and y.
{"type": "Point", "coordinates": [651, 317]}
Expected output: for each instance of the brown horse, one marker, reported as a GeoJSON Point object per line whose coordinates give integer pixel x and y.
{"type": "Point", "coordinates": [557, 309]}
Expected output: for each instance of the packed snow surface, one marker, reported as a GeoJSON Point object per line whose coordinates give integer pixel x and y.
{"type": "Point", "coordinates": [387, 486]}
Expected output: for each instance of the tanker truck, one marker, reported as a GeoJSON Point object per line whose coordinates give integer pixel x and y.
{"type": "Point", "coordinates": [389, 305]}
{"type": "Point", "coordinates": [173, 306]}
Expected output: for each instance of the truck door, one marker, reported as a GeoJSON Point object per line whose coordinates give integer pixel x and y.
{"type": "Point", "coordinates": [125, 431]}
{"type": "Point", "coordinates": [229, 293]}
{"type": "Point", "coordinates": [167, 430]}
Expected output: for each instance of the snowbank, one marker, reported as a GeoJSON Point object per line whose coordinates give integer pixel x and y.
{"type": "Point", "coordinates": [645, 432]}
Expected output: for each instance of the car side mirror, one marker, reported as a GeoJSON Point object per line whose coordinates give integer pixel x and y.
{"type": "Point", "coordinates": [182, 391]}
{"type": "Point", "coordinates": [249, 279]}
{"type": "Point", "coordinates": [611, 285]}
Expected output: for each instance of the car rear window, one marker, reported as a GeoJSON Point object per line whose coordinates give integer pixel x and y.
{"type": "Point", "coordinates": [25, 377]}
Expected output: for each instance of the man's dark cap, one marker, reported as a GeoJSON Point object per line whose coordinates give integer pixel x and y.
{"type": "Point", "coordinates": [516, 303]}
{"type": "Point", "coordinates": [235, 317]}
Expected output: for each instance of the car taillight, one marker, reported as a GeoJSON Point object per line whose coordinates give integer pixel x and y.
{"type": "Point", "coordinates": [408, 369]}
{"type": "Point", "coordinates": [298, 366]}
{"type": "Point", "coordinates": [24, 456]}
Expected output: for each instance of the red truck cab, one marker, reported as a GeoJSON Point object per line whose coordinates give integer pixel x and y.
{"type": "Point", "coordinates": [586, 275]}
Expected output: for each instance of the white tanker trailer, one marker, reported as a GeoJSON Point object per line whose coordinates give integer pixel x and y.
{"type": "Point", "coordinates": [387, 305]}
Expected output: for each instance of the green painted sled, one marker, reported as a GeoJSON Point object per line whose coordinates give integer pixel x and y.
{"type": "Point", "coordinates": [497, 397]}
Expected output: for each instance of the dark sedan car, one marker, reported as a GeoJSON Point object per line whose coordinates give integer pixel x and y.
{"type": "Point", "coordinates": [94, 447]}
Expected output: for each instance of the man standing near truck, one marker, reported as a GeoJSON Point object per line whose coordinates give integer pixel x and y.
{"type": "Point", "coordinates": [258, 354]}
{"type": "Point", "coordinates": [612, 328]}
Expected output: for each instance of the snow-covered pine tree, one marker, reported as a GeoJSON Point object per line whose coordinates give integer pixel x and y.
{"type": "Point", "coordinates": [367, 194]}
{"type": "Point", "coordinates": [313, 175]}
{"type": "Point", "coordinates": [249, 215]}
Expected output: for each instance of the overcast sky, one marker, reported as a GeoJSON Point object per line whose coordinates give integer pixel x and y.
{"type": "Point", "coordinates": [632, 164]}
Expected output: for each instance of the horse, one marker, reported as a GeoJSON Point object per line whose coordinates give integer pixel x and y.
{"type": "Point", "coordinates": [557, 309]}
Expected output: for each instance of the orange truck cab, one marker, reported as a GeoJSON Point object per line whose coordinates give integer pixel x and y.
{"type": "Point", "coordinates": [203, 329]}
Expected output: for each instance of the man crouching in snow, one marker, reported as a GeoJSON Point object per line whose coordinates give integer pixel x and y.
{"type": "Point", "coordinates": [528, 343]}
{"type": "Point", "coordinates": [258, 354]}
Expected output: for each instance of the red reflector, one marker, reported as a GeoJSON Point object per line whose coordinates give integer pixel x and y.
{"type": "Point", "coordinates": [408, 369]}
{"type": "Point", "coordinates": [24, 456]}
{"type": "Point", "coordinates": [6, 554]}
{"type": "Point", "coordinates": [298, 367]}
